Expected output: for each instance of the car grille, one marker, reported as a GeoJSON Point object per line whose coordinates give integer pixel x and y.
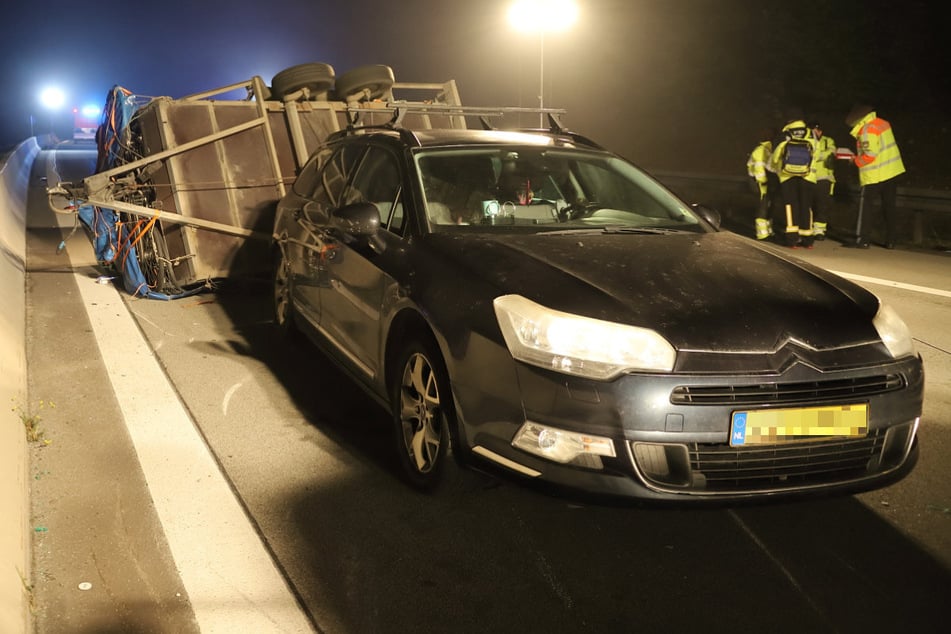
{"type": "Point", "coordinates": [765, 393]}
{"type": "Point", "coordinates": [726, 468]}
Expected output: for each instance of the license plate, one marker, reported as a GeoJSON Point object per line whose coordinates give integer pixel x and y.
{"type": "Point", "coordinates": [776, 426]}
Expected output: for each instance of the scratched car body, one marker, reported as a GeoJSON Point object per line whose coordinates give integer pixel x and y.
{"type": "Point", "coordinates": [531, 302]}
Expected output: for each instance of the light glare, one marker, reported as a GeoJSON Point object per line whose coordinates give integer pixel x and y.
{"type": "Point", "coordinates": [52, 98]}
{"type": "Point", "coordinates": [543, 15]}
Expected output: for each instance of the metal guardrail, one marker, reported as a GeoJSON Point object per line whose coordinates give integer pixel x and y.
{"type": "Point", "coordinates": [930, 208]}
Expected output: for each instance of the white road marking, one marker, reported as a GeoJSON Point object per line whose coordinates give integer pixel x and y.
{"type": "Point", "coordinates": [231, 580]}
{"type": "Point", "coordinates": [779, 564]}
{"type": "Point", "coordinates": [227, 399]}
{"type": "Point", "coordinates": [908, 287]}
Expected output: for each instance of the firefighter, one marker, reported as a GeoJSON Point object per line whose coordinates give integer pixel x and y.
{"type": "Point", "coordinates": [879, 162]}
{"type": "Point", "coordinates": [823, 163]}
{"type": "Point", "coordinates": [764, 183]}
{"type": "Point", "coordinates": [792, 162]}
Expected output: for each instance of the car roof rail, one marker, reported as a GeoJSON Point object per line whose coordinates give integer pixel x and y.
{"type": "Point", "coordinates": [399, 110]}
{"type": "Point", "coordinates": [555, 128]}
{"type": "Point", "coordinates": [406, 135]}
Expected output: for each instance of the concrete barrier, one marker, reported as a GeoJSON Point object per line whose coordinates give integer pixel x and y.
{"type": "Point", "coordinates": [15, 536]}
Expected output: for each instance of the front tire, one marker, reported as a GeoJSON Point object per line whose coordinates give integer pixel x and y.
{"type": "Point", "coordinates": [423, 417]}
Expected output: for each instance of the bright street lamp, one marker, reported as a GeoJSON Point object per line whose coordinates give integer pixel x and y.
{"type": "Point", "coordinates": [541, 16]}
{"type": "Point", "coordinates": [52, 98]}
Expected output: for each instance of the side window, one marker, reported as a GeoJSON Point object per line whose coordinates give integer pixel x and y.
{"type": "Point", "coordinates": [377, 181]}
{"type": "Point", "coordinates": [306, 182]}
{"type": "Point", "coordinates": [333, 174]}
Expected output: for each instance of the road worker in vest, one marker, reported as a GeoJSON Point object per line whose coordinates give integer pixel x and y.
{"type": "Point", "coordinates": [879, 162]}
{"type": "Point", "coordinates": [823, 163]}
{"type": "Point", "coordinates": [792, 162]}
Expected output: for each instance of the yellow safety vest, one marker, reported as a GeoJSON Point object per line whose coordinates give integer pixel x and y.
{"type": "Point", "coordinates": [823, 159]}
{"type": "Point", "coordinates": [877, 155]}
{"type": "Point", "coordinates": [759, 157]}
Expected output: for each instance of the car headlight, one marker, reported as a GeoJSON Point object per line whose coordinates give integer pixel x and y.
{"type": "Point", "coordinates": [893, 331]}
{"type": "Point", "coordinates": [579, 345]}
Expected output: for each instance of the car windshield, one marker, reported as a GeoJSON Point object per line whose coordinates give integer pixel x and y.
{"type": "Point", "coordinates": [549, 188]}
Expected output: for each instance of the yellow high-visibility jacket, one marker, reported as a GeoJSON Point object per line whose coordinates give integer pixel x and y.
{"type": "Point", "coordinates": [759, 157]}
{"type": "Point", "coordinates": [823, 160]}
{"type": "Point", "coordinates": [877, 155]}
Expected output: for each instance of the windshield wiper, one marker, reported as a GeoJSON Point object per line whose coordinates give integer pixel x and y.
{"type": "Point", "coordinates": [613, 229]}
{"type": "Point", "coordinates": [588, 231]}
{"type": "Point", "coordinates": [642, 230]}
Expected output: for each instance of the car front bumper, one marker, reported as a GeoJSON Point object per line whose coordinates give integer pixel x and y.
{"type": "Point", "coordinates": [671, 433]}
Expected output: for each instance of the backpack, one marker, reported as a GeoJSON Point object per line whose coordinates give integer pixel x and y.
{"type": "Point", "coordinates": [797, 157]}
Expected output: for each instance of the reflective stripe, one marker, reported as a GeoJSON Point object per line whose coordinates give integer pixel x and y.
{"type": "Point", "coordinates": [790, 227]}
{"type": "Point", "coordinates": [878, 157]}
{"type": "Point", "coordinates": [756, 164]}
{"type": "Point", "coordinates": [808, 230]}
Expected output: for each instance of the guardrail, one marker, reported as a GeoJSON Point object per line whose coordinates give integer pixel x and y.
{"type": "Point", "coordinates": [926, 220]}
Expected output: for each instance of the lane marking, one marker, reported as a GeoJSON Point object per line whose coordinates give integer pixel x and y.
{"type": "Point", "coordinates": [779, 564]}
{"type": "Point", "coordinates": [908, 287]}
{"type": "Point", "coordinates": [233, 584]}
{"type": "Point", "coordinates": [231, 580]}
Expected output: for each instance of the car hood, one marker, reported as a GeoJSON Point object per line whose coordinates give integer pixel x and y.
{"type": "Point", "coordinates": [703, 292]}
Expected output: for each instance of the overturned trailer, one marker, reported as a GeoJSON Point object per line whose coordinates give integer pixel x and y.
{"type": "Point", "coordinates": [185, 189]}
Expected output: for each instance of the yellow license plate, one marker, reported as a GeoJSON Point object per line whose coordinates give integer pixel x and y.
{"type": "Point", "coordinates": [776, 426]}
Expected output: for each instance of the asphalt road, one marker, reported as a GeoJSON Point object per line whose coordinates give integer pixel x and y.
{"type": "Point", "coordinates": [307, 457]}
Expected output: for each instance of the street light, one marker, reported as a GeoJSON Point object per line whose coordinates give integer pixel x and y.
{"type": "Point", "coordinates": [52, 100]}
{"type": "Point", "coordinates": [542, 16]}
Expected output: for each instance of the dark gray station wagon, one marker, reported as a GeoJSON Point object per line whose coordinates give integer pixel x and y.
{"type": "Point", "coordinates": [532, 302]}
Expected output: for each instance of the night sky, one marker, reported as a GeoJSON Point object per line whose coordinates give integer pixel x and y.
{"type": "Point", "coordinates": [671, 84]}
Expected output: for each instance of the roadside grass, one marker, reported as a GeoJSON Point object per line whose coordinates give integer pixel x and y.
{"type": "Point", "coordinates": [28, 591]}
{"type": "Point", "coordinates": [30, 418]}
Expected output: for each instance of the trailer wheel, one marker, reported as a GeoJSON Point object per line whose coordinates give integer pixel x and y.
{"type": "Point", "coordinates": [376, 79]}
{"type": "Point", "coordinates": [155, 262]}
{"type": "Point", "coordinates": [316, 76]}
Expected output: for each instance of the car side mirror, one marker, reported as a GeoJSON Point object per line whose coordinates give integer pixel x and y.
{"type": "Point", "coordinates": [709, 214]}
{"type": "Point", "coordinates": [360, 220]}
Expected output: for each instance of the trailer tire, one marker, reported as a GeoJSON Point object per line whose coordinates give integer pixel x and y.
{"type": "Point", "coordinates": [155, 264]}
{"type": "Point", "coordinates": [316, 76]}
{"type": "Point", "coordinates": [377, 79]}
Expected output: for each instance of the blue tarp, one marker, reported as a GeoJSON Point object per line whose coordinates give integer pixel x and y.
{"type": "Point", "coordinates": [114, 242]}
